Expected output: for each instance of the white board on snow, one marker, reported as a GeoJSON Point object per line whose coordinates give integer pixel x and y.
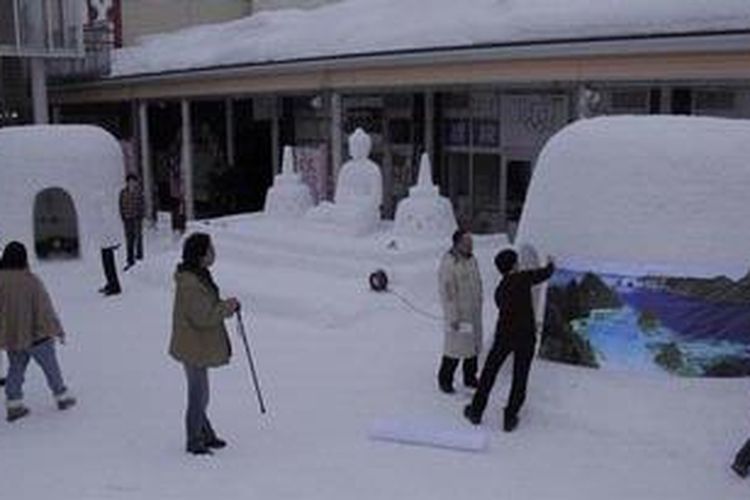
{"type": "Point", "coordinates": [425, 432]}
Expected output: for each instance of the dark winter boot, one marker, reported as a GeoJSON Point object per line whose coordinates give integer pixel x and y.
{"type": "Point", "coordinates": [65, 401]}
{"type": "Point", "coordinates": [2, 381]}
{"type": "Point", "coordinates": [199, 449]}
{"type": "Point", "coordinates": [445, 375]}
{"type": "Point", "coordinates": [472, 415]}
{"type": "Point", "coordinates": [741, 464]}
{"type": "Point", "coordinates": [510, 421]}
{"type": "Point", "coordinates": [470, 368]}
{"type": "Point", "coordinates": [210, 439]}
{"type": "Point", "coordinates": [16, 410]}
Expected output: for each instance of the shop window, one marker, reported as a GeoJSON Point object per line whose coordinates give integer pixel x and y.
{"type": "Point", "coordinates": [629, 101]}
{"type": "Point", "coordinates": [682, 102]}
{"type": "Point", "coordinates": [518, 177]}
{"type": "Point", "coordinates": [714, 100]}
{"type": "Point", "coordinates": [456, 133]}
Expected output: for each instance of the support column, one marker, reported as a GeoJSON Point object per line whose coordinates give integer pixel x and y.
{"type": "Point", "coordinates": [186, 160]}
{"type": "Point", "coordinates": [336, 138]}
{"type": "Point", "coordinates": [429, 124]}
{"type": "Point", "coordinates": [56, 115]}
{"type": "Point", "coordinates": [275, 137]}
{"type": "Point", "coordinates": [144, 148]}
{"type": "Point", "coordinates": [39, 91]}
{"type": "Point", "coordinates": [229, 116]}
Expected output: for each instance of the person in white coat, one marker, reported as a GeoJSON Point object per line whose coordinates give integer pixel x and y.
{"type": "Point", "coordinates": [460, 288]}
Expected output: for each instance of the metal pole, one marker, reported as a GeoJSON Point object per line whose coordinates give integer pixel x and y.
{"type": "Point", "coordinates": [241, 330]}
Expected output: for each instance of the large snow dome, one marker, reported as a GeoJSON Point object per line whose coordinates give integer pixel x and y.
{"type": "Point", "coordinates": [647, 218]}
{"type": "Point", "coordinates": [58, 188]}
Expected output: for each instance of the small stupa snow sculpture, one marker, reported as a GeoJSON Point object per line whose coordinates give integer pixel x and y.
{"type": "Point", "coordinates": [289, 197]}
{"type": "Point", "coordinates": [359, 192]}
{"type": "Point", "coordinates": [424, 213]}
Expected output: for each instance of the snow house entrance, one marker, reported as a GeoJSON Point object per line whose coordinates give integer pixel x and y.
{"type": "Point", "coordinates": [55, 225]}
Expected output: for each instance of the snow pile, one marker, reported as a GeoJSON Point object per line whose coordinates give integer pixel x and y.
{"type": "Point", "coordinates": [643, 195]}
{"type": "Point", "coordinates": [424, 213]}
{"type": "Point", "coordinates": [289, 197]}
{"type": "Point", "coordinates": [85, 161]}
{"type": "Point", "coordinates": [366, 26]}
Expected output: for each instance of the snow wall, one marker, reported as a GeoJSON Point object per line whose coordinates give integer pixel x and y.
{"type": "Point", "coordinates": [648, 219]}
{"type": "Point", "coordinates": [84, 161]}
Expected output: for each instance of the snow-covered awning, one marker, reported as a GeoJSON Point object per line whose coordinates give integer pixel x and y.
{"type": "Point", "coordinates": [352, 27]}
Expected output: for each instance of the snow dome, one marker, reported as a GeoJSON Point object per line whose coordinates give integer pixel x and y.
{"type": "Point", "coordinates": [58, 188]}
{"type": "Point", "coordinates": [647, 218]}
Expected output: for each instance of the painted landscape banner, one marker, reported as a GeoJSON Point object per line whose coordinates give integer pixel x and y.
{"type": "Point", "coordinates": [655, 324]}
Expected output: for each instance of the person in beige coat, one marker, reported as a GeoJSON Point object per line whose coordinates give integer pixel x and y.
{"type": "Point", "coordinates": [28, 327]}
{"type": "Point", "coordinates": [460, 289]}
{"type": "Point", "coordinates": [199, 339]}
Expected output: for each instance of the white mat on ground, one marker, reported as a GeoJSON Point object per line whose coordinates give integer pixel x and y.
{"type": "Point", "coordinates": [428, 432]}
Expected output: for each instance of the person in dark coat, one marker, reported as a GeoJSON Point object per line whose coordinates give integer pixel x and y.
{"type": "Point", "coordinates": [199, 339]}
{"type": "Point", "coordinates": [741, 464]}
{"type": "Point", "coordinates": [131, 212]}
{"type": "Point", "coordinates": [515, 333]}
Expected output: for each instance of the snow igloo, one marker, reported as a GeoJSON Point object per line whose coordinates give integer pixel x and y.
{"type": "Point", "coordinates": [648, 221]}
{"type": "Point", "coordinates": [58, 188]}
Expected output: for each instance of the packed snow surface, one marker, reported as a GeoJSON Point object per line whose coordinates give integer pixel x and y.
{"type": "Point", "coordinates": [366, 26]}
{"type": "Point", "coordinates": [333, 357]}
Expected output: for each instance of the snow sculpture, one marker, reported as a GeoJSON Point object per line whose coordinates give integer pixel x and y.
{"type": "Point", "coordinates": [359, 192]}
{"type": "Point", "coordinates": [647, 218]}
{"type": "Point", "coordinates": [79, 164]}
{"type": "Point", "coordinates": [424, 213]}
{"type": "Point", "coordinates": [289, 197]}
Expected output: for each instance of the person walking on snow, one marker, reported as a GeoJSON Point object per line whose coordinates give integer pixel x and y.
{"type": "Point", "coordinates": [28, 326]}
{"type": "Point", "coordinates": [460, 289]}
{"type": "Point", "coordinates": [515, 333]}
{"type": "Point", "coordinates": [131, 212]}
{"type": "Point", "coordinates": [199, 339]}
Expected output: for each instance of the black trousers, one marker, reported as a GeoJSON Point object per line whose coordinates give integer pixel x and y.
{"type": "Point", "coordinates": [742, 459]}
{"type": "Point", "coordinates": [133, 239]}
{"type": "Point", "coordinates": [110, 271]}
{"type": "Point", "coordinates": [523, 353]}
{"type": "Point", "coordinates": [448, 367]}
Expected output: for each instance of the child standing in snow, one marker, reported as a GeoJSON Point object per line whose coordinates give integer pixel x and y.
{"type": "Point", "coordinates": [515, 333]}
{"type": "Point", "coordinates": [199, 339]}
{"type": "Point", "coordinates": [28, 326]}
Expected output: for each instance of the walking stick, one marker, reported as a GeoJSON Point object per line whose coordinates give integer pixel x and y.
{"type": "Point", "coordinates": [241, 330]}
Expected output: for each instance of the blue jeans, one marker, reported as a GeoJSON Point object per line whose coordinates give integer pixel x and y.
{"type": "Point", "coordinates": [44, 355]}
{"type": "Point", "coordinates": [197, 424]}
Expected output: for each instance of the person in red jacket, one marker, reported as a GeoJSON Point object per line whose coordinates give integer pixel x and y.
{"type": "Point", "coordinates": [515, 333]}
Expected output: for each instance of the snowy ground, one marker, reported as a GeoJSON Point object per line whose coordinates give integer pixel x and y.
{"type": "Point", "coordinates": [332, 358]}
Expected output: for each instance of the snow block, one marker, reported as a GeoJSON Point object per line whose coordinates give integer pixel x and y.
{"type": "Point", "coordinates": [428, 433]}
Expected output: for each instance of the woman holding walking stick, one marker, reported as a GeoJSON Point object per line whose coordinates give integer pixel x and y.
{"type": "Point", "coordinates": [199, 338]}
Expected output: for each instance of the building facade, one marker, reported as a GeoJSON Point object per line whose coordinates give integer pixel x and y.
{"type": "Point", "coordinates": [213, 136]}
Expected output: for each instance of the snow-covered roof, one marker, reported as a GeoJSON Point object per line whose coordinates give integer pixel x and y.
{"type": "Point", "coordinates": [367, 26]}
{"type": "Point", "coordinates": [655, 194]}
